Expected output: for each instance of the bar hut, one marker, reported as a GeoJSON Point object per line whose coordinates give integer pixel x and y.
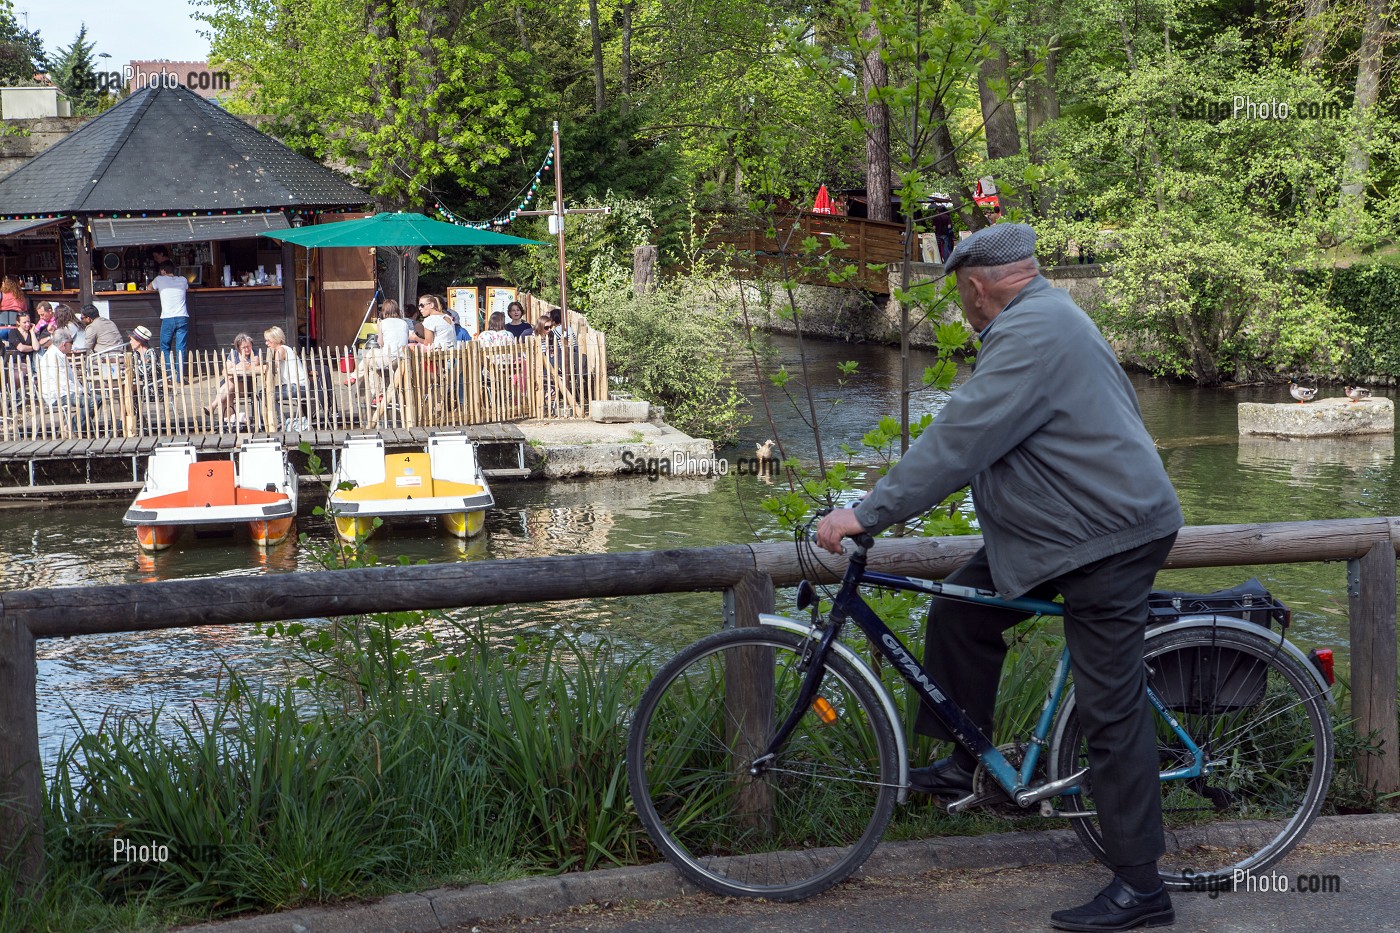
{"type": "Point", "coordinates": [167, 173]}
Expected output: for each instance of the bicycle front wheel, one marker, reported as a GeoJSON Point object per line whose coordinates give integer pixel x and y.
{"type": "Point", "coordinates": [787, 828]}
{"type": "Point", "coordinates": [1260, 719]}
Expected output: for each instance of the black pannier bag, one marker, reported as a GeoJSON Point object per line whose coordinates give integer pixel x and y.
{"type": "Point", "coordinates": [1212, 679]}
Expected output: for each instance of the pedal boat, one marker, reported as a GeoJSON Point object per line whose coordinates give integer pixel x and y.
{"type": "Point", "coordinates": [444, 481]}
{"type": "Point", "coordinates": [258, 488]}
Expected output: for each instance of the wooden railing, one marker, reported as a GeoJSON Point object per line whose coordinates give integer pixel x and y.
{"type": "Point", "coordinates": [146, 395]}
{"type": "Point", "coordinates": [752, 250]}
{"type": "Point", "coordinates": [746, 573]}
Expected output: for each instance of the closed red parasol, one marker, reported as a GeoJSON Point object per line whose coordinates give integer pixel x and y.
{"type": "Point", "coordinates": [823, 203]}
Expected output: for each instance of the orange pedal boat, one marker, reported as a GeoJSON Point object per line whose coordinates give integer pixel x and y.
{"type": "Point", "coordinates": [258, 488]}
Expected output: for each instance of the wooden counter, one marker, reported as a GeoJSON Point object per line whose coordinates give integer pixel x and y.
{"type": "Point", "coordinates": [217, 315]}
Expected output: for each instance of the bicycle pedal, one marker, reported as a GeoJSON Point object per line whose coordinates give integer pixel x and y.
{"type": "Point", "coordinates": [974, 800]}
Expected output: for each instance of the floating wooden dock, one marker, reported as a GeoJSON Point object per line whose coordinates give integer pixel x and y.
{"type": "Point", "coordinates": [76, 465]}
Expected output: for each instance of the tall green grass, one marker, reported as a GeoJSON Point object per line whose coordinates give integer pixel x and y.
{"type": "Point", "coordinates": [506, 761]}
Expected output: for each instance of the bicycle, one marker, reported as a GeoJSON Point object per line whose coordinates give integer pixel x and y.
{"type": "Point", "coordinates": [765, 761]}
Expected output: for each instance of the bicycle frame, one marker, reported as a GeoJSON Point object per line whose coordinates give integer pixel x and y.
{"type": "Point", "coordinates": [848, 605]}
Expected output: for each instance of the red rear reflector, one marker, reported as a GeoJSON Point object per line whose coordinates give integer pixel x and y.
{"type": "Point", "coordinates": [1322, 660]}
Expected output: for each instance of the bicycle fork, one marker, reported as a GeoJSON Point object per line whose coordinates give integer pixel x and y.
{"type": "Point", "coordinates": [815, 663]}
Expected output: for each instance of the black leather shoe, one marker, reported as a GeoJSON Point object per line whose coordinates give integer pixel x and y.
{"type": "Point", "coordinates": [1118, 907]}
{"type": "Point", "coordinates": [945, 777]}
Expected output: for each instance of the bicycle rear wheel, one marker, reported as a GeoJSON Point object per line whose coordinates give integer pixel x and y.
{"type": "Point", "coordinates": [813, 813]}
{"type": "Point", "coordinates": [1261, 721]}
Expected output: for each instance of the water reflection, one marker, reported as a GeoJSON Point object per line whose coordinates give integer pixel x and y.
{"type": "Point", "coordinates": [1220, 480]}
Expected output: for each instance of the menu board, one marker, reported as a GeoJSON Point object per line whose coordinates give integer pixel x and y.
{"type": "Point", "coordinates": [498, 298]}
{"type": "Point", "coordinates": [462, 299]}
{"type": "Point", "coordinates": [69, 247]}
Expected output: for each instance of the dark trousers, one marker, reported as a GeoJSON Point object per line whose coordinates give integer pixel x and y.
{"type": "Point", "coordinates": [1105, 620]}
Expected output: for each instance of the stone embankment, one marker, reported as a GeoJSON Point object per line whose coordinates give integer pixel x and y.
{"type": "Point", "coordinates": [624, 436]}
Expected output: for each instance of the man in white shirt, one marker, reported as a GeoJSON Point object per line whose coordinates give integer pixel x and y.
{"type": "Point", "coordinates": [59, 386]}
{"type": "Point", "coordinates": [174, 316]}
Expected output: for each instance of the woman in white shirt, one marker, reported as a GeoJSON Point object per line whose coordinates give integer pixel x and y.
{"type": "Point", "coordinates": [440, 333]}
{"type": "Point", "coordinates": [291, 372]}
{"type": "Point", "coordinates": [375, 363]}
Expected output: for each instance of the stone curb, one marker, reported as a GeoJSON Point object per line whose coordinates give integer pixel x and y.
{"type": "Point", "coordinates": [448, 908]}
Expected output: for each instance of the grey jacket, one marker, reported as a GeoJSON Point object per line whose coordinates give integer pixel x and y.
{"type": "Point", "coordinates": [1048, 432]}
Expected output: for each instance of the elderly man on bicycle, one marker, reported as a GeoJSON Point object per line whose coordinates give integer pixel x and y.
{"type": "Point", "coordinates": [1073, 500]}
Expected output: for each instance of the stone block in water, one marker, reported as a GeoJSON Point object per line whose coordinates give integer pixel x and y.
{"type": "Point", "coordinates": [1328, 417]}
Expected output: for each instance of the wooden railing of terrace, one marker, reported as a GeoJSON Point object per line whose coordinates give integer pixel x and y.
{"type": "Point", "coordinates": [751, 250]}
{"type": "Point", "coordinates": [131, 395]}
{"type": "Point", "coordinates": [746, 573]}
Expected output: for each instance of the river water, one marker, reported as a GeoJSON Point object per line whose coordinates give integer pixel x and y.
{"type": "Point", "coordinates": [1220, 478]}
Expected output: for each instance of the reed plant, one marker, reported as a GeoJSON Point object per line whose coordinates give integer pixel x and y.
{"type": "Point", "coordinates": [505, 761]}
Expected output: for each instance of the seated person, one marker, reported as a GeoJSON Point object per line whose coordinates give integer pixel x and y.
{"type": "Point", "coordinates": [292, 378]}
{"type": "Point", "coordinates": [519, 328]}
{"type": "Point", "coordinates": [100, 335]}
{"type": "Point", "coordinates": [59, 385]}
{"type": "Point", "coordinates": [376, 361]}
{"type": "Point", "coordinates": [496, 334]}
{"type": "Point", "coordinates": [239, 365]}
{"type": "Point", "coordinates": [439, 332]}
{"type": "Point", "coordinates": [23, 339]}
{"type": "Point", "coordinates": [43, 321]}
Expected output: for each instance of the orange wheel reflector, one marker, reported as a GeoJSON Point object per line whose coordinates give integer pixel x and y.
{"type": "Point", "coordinates": [824, 710]}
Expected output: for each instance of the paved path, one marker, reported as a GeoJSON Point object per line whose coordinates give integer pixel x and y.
{"type": "Point", "coordinates": [1000, 883]}
{"type": "Point", "coordinates": [1011, 900]}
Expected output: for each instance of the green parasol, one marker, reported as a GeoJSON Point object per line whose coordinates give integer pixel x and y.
{"type": "Point", "coordinates": [397, 232]}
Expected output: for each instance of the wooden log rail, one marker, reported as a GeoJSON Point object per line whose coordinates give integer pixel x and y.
{"type": "Point", "coordinates": [746, 574]}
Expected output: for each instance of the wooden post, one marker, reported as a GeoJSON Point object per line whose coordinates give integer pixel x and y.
{"type": "Point", "coordinates": [1371, 601]}
{"type": "Point", "coordinates": [748, 695]}
{"type": "Point", "coordinates": [21, 793]}
{"type": "Point", "coordinates": [643, 269]}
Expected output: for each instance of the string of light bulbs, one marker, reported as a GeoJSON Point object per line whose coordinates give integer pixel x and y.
{"type": "Point", "coordinates": [504, 217]}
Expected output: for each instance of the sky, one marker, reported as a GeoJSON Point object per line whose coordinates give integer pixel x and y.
{"type": "Point", "coordinates": [125, 29]}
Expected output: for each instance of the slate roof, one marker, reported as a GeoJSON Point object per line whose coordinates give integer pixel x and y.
{"type": "Point", "coordinates": [168, 149]}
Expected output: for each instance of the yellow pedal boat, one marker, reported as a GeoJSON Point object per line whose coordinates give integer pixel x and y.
{"type": "Point", "coordinates": [445, 481]}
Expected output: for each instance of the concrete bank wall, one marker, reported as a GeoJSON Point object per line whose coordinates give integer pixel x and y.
{"type": "Point", "coordinates": [856, 316]}
{"type": "Point", "coordinates": [24, 139]}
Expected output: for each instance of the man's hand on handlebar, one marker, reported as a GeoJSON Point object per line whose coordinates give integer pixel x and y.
{"type": "Point", "coordinates": [834, 526]}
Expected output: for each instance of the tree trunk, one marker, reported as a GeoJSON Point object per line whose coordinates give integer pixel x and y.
{"type": "Point", "coordinates": [998, 107]}
{"type": "Point", "coordinates": [1368, 86]}
{"type": "Point", "coordinates": [1314, 32]}
{"type": "Point", "coordinates": [596, 33]}
{"type": "Point", "coordinates": [875, 77]}
{"type": "Point", "coordinates": [520, 28]}
{"type": "Point", "coordinates": [1042, 108]}
{"type": "Point", "coordinates": [625, 99]}
{"type": "Point", "coordinates": [384, 85]}
{"type": "Point", "coordinates": [945, 166]}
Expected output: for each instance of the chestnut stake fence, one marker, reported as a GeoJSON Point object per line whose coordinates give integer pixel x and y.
{"type": "Point", "coordinates": [145, 395]}
{"type": "Point", "coordinates": [747, 574]}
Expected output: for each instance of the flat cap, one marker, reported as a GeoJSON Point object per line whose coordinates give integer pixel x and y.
{"type": "Point", "coordinates": [996, 245]}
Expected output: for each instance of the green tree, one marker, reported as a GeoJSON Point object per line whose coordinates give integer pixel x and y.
{"type": "Point", "coordinates": [76, 74]}
{"type": "Point", "coordinates": [21, 50]}
{"type": "Point", "coordinates": [1214, 212]}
